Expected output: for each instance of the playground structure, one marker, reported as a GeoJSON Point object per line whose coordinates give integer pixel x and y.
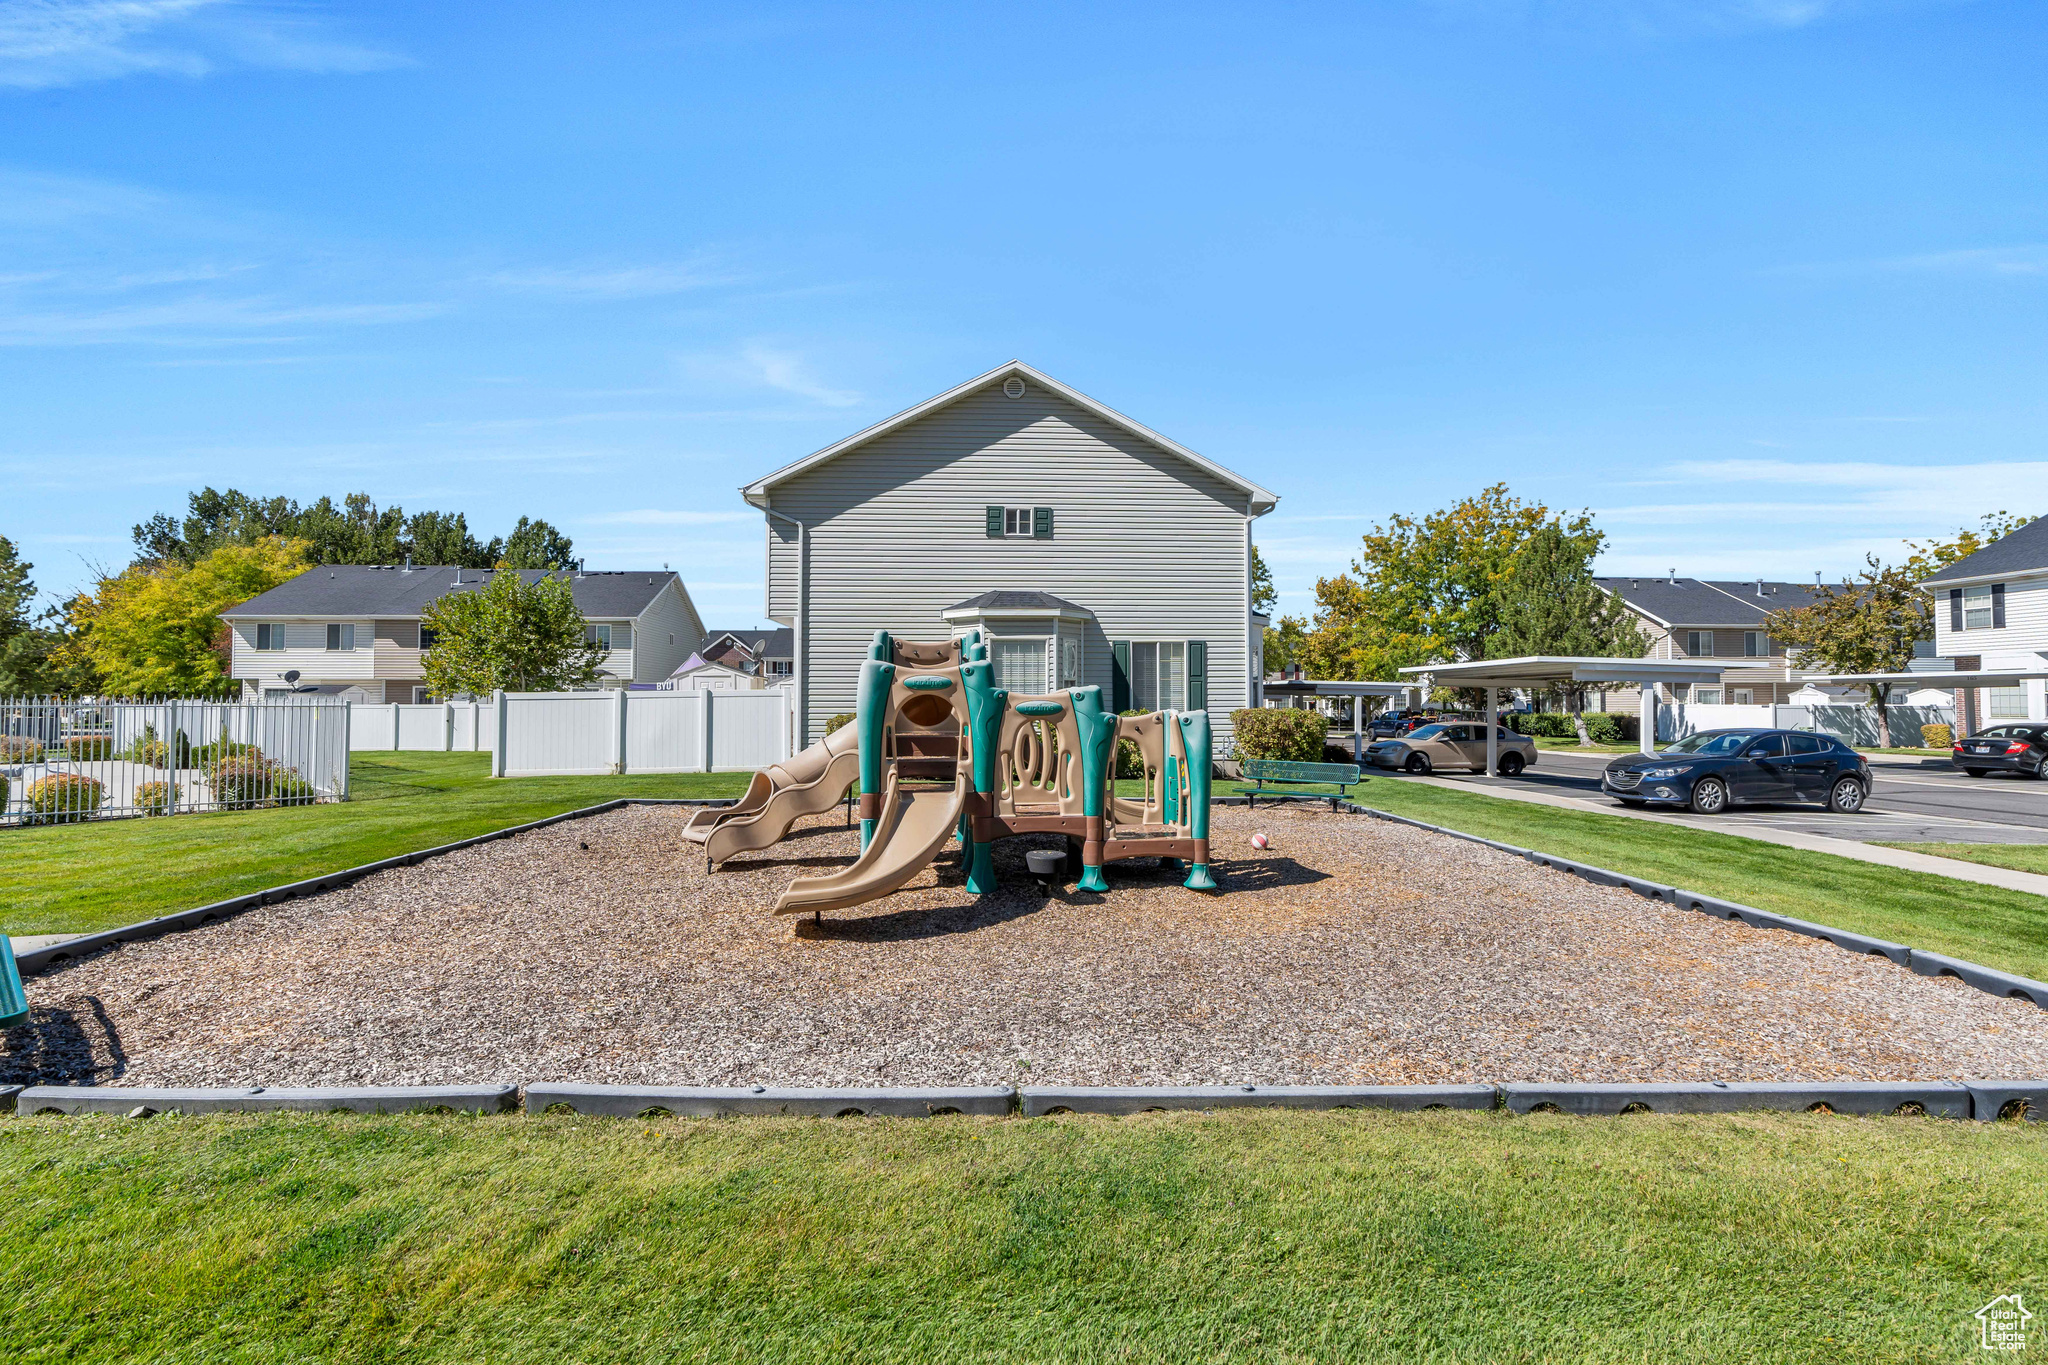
{"type": "Point", "coordinates": [944, 754]}
{"type": "Point", "coordinates": [810, 783]}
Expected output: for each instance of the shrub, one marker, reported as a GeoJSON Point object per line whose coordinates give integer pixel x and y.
{"type": "Point", "coordinates": [1936, 737]}
{"type": "Point", "coordinates": [155, 753]}
{"type": "Point", "coordinates": [20, 749]}
{"type": "Point", "coordinates": [89, 748]}
{"type": "Point", "coordinates": [1280, 733]}
{"type": "Point", "coordinates": [834, 723]}
{"type": "Point", "coordinates": [1338, 753]}
{"type": "Point", "coordinates": [248, 779]}
{"type": "Point", "coordinates": [61, 799]}
{"type": "Point", "coordinates": [3, 793]}
{"type": "Point", "coordinates": [153, 798]}
{"type": "Point", "coordinates": [1602, 727]}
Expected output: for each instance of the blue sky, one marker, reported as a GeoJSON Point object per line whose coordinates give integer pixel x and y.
{"type": "Point", "coordinates": [1761, 282]}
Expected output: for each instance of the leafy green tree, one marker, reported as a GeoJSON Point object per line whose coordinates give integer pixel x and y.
{"type": "Point", "coordinates": [1428, 590]}
{"type": "Point", "coordinates": [537, 545]}
{"type": "Point", "coordinates": [24, 646]}
{"type": "Point", "coordinates": [1549, 604]}
{"type": "Point", "coordinates": [157, 628]}
{"type": "Point", "coordinates": [510, 634]}
{"type": "Point", "coordinates": [444, 538]}
{"type": "Point", "coordinates": [1867, 625]}
{"type": "Point", "coordinates": [1929, 557]}
{"type": "Point", "coordinates": [1263, 595]}
{"type": "Point", "coordinates": [1283, 644]}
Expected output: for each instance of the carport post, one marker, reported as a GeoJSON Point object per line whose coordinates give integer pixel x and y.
{"type": "Point", "coordinates": [1492, 729]}
{"type": "Point", "coordinates": [1358, 728]}
{"type": "Point", "coordinates": [1647, 724]}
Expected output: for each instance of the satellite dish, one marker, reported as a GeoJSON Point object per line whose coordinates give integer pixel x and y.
{"type": "Point", "coordinates": [291, 675]}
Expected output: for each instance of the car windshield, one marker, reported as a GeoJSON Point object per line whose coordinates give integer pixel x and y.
{"type": "Point", "coordinates": [1428, 732]}
{"type": "Point", "coordinates": [1719, 743]}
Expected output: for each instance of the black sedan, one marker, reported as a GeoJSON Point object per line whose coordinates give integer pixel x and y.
{"type": "Point", "coordinates": [1716, 769]}
{"type": "Point", "coordinates": [2021, 749]}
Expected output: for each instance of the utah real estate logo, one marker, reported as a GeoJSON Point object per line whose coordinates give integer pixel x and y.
{"type": "Point", "coordinates": [2002, 1324]}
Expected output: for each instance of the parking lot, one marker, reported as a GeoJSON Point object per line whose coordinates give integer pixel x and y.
{"type": "Point", "coordinates": [1912, 800]}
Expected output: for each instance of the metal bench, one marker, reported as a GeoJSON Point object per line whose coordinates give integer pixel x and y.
{"type": "Point", "coordinates": [1342, 776]}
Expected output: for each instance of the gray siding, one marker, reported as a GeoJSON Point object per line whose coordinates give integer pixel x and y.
{"type": "Point", "coordinates": [664, 634]}
{"type": "Point", "coordinates": [783, 571]}
{"type": "Point", "coordinates": [1153, 545]}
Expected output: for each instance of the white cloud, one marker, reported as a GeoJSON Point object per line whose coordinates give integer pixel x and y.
{"type": "Point", "coordinates": [213, 321]}
{"type": "Point", "coordinates": [759, 363]}
{"type": "Point", "coordinates": [47, 43]}
{"type": "Point", "coordinates": [621, 282]}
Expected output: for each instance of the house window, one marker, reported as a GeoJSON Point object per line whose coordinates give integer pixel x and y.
{"type": "Point", "coordinates": [428, 637]}
{"type": "Point", "coordinates": [1977, 604]}
{"type": "Point", "coordinates": [1159, 675]}
{"type": "Point", "coordinates": [2005, 703]}
{"type": "Point", "coordinates": [1756, 644]}
{"type": "Point", "coordinates": [1020, 666]}
{"type": "Point", "coordinates": [1699, 642]}
{"type": "Point", "coordinates": [1744, 697]}
{"type": "Point", "coordinates": [780, 668]}
{"type": "Point", "coordinates": [269, 636]}
{"type": "Point", "coordinates": [610, 636]}
{"type": "Point", "coordinates": [1708, 696]}
{"type": "Point", "coordinates": [1020, 523]}
{"type": "Point", "coordinates": [341, 636]}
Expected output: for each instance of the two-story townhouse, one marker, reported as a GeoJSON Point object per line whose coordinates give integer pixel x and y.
{"type": "Point", "coordinates": [355, 629]}
{"type": "Point", "coordinates": [1686, 618]}
{"type": "Point", "coordinates": [1090, 549]}
{"type": "Point", "coordinates": [1991, 614]}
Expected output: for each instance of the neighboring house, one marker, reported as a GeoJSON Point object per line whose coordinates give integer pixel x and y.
{"type": "Point", "coordinates": [1090, 549]}
{"type": "Point", "coordinates": [352, 629]}
{"type": "Point", "coordinates": [1686, 618]}
{"type": "Point", "coordinates": [768, 654]}
{"type": "Point", "coordinates": [699, 676]}
{"type": "Point", "coordinates": [1991, 612]}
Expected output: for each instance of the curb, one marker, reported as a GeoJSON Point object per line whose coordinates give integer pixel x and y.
{"type": "Point", "coordinates": [1990, 1099]}
{"type": "Point", "coordinates": [368, 1099]}
{"type": "Point", "coordinates": [1939, 1099]}
{"type": "Point", "coordinates": [1987, 979]}
{"type": "Point", "coordinates": [41, 958]}
{"type": "Point", "coordinates": [705, 1102]}
{"type": "Point", "coordinates": [8, 1094]}
{"type": "Point", "coordinates": [1038, 1101]}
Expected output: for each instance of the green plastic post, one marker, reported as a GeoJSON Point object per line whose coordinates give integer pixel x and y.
{"type": "Point", "coordinates": [871, 708]}
{"type": "Point", "coordinates": [882, 648]}
{"type": "Point", "coordinates": [1097, 730]}
{"type": "Point", "coordinates": [1194, 734]}
{"type": "Point", "coordinates": [985, 703]}
{"type": "Point", "coordinates": [13, 999]}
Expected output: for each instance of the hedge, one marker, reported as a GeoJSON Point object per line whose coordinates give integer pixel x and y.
{"type": "Point", "coordinates": [1937, 737]}
{"type": "Point", "coordinates": [89, 748]}
{"type": "Point", "coordinates": [1602, 727]}
{"type": "Point", "coordinates": [20, 749]}
{"type": "Point", "coordinates": [249, 779]}
{"type": "Point", "coordinates": [61, 799]}
{"type": "Point", "coordinates": [835, 723]}
{"type": "Point", "coordinates": [1284, 733]}
{"type": "Point", "coordinates": [153, 798]}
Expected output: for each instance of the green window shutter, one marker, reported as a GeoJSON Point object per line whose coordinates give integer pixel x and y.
{"type": "Point", "coordinates": [1041, 523]}
{"type": "Point", "coordinates": [995, 521]}
{"type": "Point", "coordinates": [1198, 675]}
{"type": "Point", "coordinates": [1120, 676]}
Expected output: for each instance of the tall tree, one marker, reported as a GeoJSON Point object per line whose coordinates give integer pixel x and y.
{"type": "Point", "coordinates": [1428, 590]}
{"type": "Point", "coordinates": [1549, 604]}
{"type": "Point", "coordinates": [537, 545]}
{"type": "Point", "coordinates": [509, 634]}
{"type": "Point", "coordinates": [1283, 644]}
{"type": "Point", "coordinates": [25, 645]}
{"type": "Point", "coordinates": [1867, 625]}
{"type": "Point", "coordinates": [1929, 557]}
{"type": "Point", "coordinates": [1263, 595]}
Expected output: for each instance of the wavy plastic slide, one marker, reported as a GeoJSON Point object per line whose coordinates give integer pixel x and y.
{"type": "Point", "coordinates": [811, 783]}
{"type": "Point", "coordinates": [914, 825]}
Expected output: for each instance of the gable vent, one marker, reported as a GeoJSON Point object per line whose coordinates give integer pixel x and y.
{"type": "Point", "coordinates": [1013, 387]}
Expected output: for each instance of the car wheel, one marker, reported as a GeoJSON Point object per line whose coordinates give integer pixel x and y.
{"type": "Point", "coordinates": [1510, 765]}
{"type": "Point", "coordinates": [1418, 764]}
{"type": "Point", "coordinates": [1847, 797]}
{"type": "Point", "coordinates": [1710, 796]}
{"type": "Point", "coordinates": [1974, 772]}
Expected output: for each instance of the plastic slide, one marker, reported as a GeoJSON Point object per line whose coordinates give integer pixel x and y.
{"type": "Point", "coordinates": [811, 783]}
{"type": "Point", "coordinates": [13, 1000]}
{"type": "Point", "coordinates": [914, 825]}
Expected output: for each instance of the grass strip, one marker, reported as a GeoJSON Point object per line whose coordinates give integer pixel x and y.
{"type": "Point", "coordinates": [1269, 1236]}
{"type": "Point", "coordinates": [2018, 857]}
{"type": "Point", "coordinates": [104, 874]}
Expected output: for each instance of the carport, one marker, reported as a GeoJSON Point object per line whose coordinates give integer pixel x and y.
{"type": "Point", "coordinates": [1357, 691]}
{"type": "Point", "coordinates": [1536, 671]}
{"type": "Point", "coordinates": [1957, 680]}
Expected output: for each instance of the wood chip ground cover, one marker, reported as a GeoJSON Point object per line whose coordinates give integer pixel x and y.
{"type": "Point", "coordinates": [1351, 951]}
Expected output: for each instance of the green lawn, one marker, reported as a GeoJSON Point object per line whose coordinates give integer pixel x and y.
{"type": "Point", "coordinates": [1352, 1236]}
{"type": "Point", "coordinates": [2019, 857]}
{"type": "Point", "coordinates": [78, 878]}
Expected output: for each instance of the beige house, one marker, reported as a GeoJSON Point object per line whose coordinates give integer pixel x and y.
{"type": "Point", "coordinates": [1089, 548]}
{"type": "Point", "coordinates": [1695, 618]}
{"type": "Point", "coordinates": [353, 630]}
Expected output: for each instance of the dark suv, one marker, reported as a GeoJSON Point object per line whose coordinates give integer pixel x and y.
{"type": "Point", "coordinates": [1716, 769]}
{"type": "Point", "coordinates": [2016, 748]}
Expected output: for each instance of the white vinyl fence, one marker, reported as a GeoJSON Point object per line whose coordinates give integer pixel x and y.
{"type": "Point", "coordinates": [1852, 724]}
{"type": "Point", "coordinates": [435, 727]}
{"type": "Point", "coordinates": [67, 759]}
{"type": "Point", "coordinates": [559, 733]}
